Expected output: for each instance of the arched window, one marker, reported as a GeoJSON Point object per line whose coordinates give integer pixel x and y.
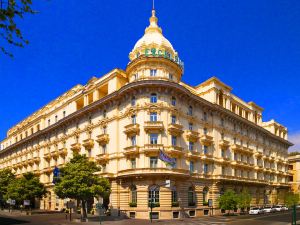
{"type": "Point", "coordinates": [205, 196]}
{"type": "Point", "coordinates": [153, 98]}
{"type": "Point", "coordinates": [173, 101]}
{"type": "Point", "coordinates": [191, 196]}
{"type": "Point", "coordinates": [133, 101]}
{"type": "Point", "coordinates": [153, 195]}
{"type": "Point", "coordinates": [133, 195]}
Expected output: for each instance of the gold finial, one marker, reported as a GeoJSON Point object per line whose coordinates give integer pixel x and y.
{"type": "Point", "coordinates": [153, 22]}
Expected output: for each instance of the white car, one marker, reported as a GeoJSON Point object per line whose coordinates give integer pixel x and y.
{"type": "Point", "coordinates": [268, 209]}
{"type": "Point", "coordinates": [255, 211]}
{"type": "Point", "coordinates": [278, 208]}
{"type": "Point", "coordinates": [285, 208]}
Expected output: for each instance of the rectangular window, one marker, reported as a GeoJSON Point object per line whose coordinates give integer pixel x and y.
{"type": "Point", "coordinates": [103, 149]}
{"type": "Point", "coordinates": [223, 170]}
{"type": "Point", "coordinates": [222, 153]}
{"type": "Point", "coordinates": [174, 140]}
{"type": "Point", "coordinates": [173, 102]}
{"type": "Point", "coordinates": [205, 116]}
{"type": "Point", "coordinates": [174, 165]}
{"type": "Point", "coordinates": [133, 163]}
{"type": "Point", "coordinates": [192, 169]}
{"type": "Point", "coordinates": [190, 126]}
{"type": "Point", "coordinates": [64, 114]}
{"type": "Point", "coordinates": [133, 140]}
{"type": "Point", "coordinates": [153, 139]}
{"type": "Point", "coordinates": [153, 162]}
{"type": "Point", "coordinates": [205, 149]}
{"type": "Point", "coordinates": [173, 119]}
{"type": "Point", "coordinates": [153, 73]}
{"type": "Point", "coordinates": [205, 168]}
{"type": "Point", "coordinates": [191, 146]}
{"type": "Point", "coordinates": [133, 119]}
{"type": "Point", "coordinates": [170, 76]}
{"type": "Point", "coordinates": [205, 131]}
{"type": "Point", "coordinates": [153, 117]}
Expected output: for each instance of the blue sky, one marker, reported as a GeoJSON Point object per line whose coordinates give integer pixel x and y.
{"type": "Point", "coordinates": [251, 45]}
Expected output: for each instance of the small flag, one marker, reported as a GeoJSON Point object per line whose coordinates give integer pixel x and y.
{"type": "Point", "coordinates": [164, 157]}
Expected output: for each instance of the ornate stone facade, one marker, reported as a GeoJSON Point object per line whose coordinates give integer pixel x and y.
{"type": "Point", "coordinates": [124, 118]}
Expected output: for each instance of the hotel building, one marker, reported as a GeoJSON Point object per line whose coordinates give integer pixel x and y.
{"type": "Point", "coordinates": [294, 170]}
{"type": "Point", "coordinates": [121, 121]}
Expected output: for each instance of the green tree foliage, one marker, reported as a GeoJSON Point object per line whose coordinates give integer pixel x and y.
{"type": "Point", "coordinates": [244, 200]}
{"type": "Point", "coordinates": [10, 11]}
{"type": "Point", "coordinates": [78, 181]}
{"type": "Point", "coordinates": [228, 201]}
{"type": "Point", "coordinates": [291, 199]}
{"type": "Point", "coordinates": [27, 187]}
{"type": "Point", "coordinates": [6, 176]}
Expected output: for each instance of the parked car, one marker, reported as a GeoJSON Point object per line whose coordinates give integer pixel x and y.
{"type": "Point", "coordinates": [255, 211]}
{"type": "Point", "coordinates": [278, 208]}
{"type": "Point", "coordinates": [285, 208]}
{"type": "Point", "coordinates": [268, 209]}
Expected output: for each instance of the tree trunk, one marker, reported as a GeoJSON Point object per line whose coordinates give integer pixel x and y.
{"type": "Point", "coordinates": [83, 207]}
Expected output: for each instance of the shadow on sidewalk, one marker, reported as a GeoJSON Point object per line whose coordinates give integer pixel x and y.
{"type": "Point", "coordinates": [10, 221]}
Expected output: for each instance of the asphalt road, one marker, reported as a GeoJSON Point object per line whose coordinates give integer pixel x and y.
{"type": "Point", "coordinates": [280, 218]}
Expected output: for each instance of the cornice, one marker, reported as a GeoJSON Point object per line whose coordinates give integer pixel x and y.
{"type": "Point", "coordinates": [110, 99]}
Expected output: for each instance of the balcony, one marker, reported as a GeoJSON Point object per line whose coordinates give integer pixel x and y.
{"type": "Point", "coordinates": [237, 147]}
{"type": "Point", "coordinates": [102, 158]}
{"type": "Point", "coordinates": [102, 139]}
{"type": "Point", "coordinates": [36, 159]}
{"type": "Point", "coordinates": [206, 140]}
{"type": "Point", "coordinates": [63, 151]}
{"type": "Point", "coordinates": [88, 143]}
{"type": "Point", "coordinates": [132, 129]}
{"type": "Point", "coordinates": [174, 151]}
{"type": "Point", "coordinates": [192, 155]}
{"type": "Point", "coordinates": [131, 150]}
{"type": "Point", "coordinates": [76, 147]}
{"type": "Point", "coordinates": [154, 126]}
{"type": "Point", "coordinates": [207, 156]}
{"type": "Point", "coordinates": [258, 154]}
{"type": "Point", "coordinates": [47, 155]}
{"type": "Point", "coordinates": [224, 144]}
{"type": "Point", "coordinates": [175, 129]}
{"type": "Point", "coordinates": [192, 135]}
{"type": "Point", "coordinates": [152, 149]}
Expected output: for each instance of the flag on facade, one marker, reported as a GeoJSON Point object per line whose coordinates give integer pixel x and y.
{"type": "Point", "coordinates": [165, 158]}
{"type": "Point", "coordinates": [56, 173]}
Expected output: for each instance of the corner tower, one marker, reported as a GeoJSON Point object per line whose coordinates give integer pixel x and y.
{"type": "Point", "coordinates": [153, 56]}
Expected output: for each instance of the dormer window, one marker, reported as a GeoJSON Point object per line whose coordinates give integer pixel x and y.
{"type": "Point", "coordinates": [135, 76]}
{"type": "Point", "coordinates": [153, 73]}
{"type": "Point", "coordinates": [153, 98]}
{"type": "Point", "coordinates": [170, 76]}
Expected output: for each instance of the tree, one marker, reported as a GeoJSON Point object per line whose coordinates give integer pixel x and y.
{"type": "Point", "coordinates": [244, 200]}
{"type": "Point", "coordinates": [6, 176]}
{"type": "Point", "coordinates": [27, 187]}
{"type": "Point", "coordinates": [228, 201]}
{"type": "Point", "coordinates": [291, 199]}
{"type": "Point", "coordinates": [10, 10]}
{"type": "Point", "coordinates": [78, 181]}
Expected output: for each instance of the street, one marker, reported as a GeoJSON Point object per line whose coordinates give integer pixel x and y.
{"type": "Point", "coordinates": [280, 218]}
